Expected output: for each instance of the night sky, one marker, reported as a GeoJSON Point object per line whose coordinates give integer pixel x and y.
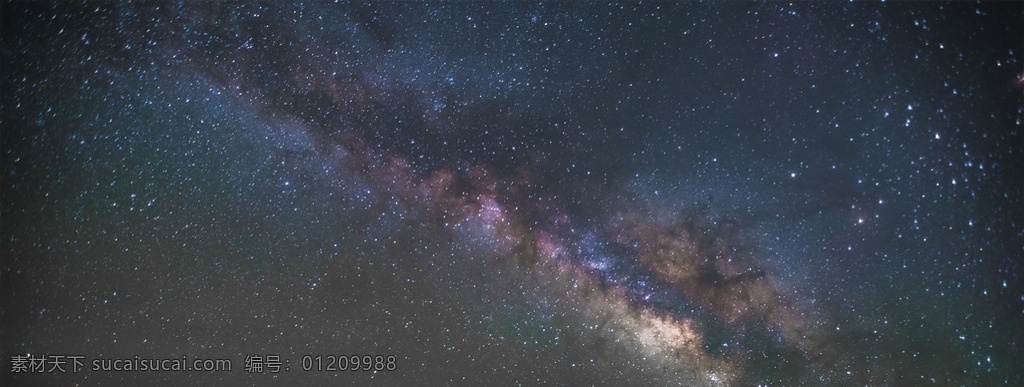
{"type": "Point", "coordinates": [525, 193]}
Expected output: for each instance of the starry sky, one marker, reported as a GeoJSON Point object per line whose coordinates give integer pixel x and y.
{"type": "Point", "coordinates": [712, 193]}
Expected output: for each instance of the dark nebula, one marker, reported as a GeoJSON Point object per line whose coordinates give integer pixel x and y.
{"type": "Point", "coordinates": [522, 193]}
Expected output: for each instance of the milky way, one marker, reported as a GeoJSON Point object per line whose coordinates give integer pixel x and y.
{"type": "Point", "coordinates": [584, 194]}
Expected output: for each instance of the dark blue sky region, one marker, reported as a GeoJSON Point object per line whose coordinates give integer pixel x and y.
{"type": "Point", "coordinates": [691, 193]}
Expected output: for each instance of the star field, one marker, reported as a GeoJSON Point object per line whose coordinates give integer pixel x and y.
{"type": "Point", "coordinates": [713, 193]}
